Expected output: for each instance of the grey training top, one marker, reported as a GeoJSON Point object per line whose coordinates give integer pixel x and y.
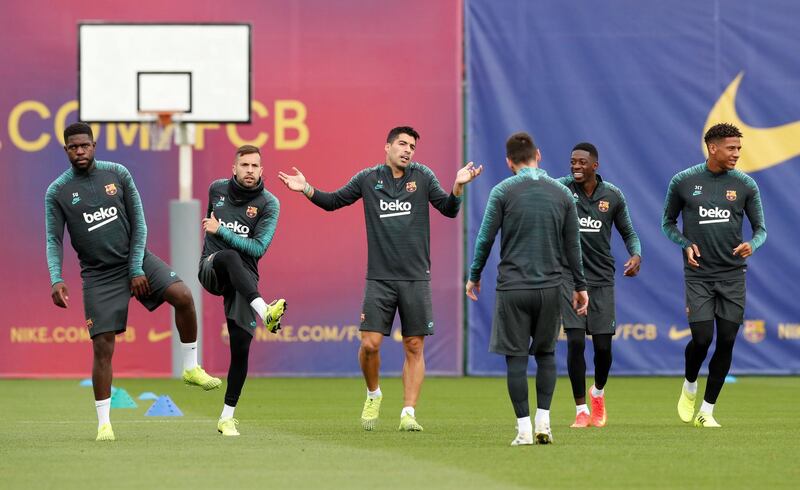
{"type": "Point", "coordinates": [247, 228]}
{"type": "Point", "coordinates": [712, 207]}
{"type": "Point", "coordinates": [596, 215]}
{"type": "Point", "coordinates": [397, 217]}
{"type": "Point", "coordinates": [539, 224]}
{"type": "Point", "coordinates": [103, 214]}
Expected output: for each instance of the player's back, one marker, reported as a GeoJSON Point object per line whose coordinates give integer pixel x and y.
{"type": "Point", "coordinates": [534, 211]}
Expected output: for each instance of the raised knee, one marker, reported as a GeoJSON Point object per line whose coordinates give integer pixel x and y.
{"type": "Point", "coordinates": [180, 296]}
{"type": "Point", "coordinates": [226, 256]}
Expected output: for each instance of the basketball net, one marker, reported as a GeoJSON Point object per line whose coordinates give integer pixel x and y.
{"type": "Point", "coordinates": [161, 131]}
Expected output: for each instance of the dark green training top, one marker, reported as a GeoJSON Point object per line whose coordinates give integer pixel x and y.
{"type": "Point", "coordinates": [103, 213]}
{"type": "Point", "coordinates": [596, 215]}
{"type": "Point", "coordinates": [539, 224]}
{"type": "Point", "coordinates": [712, 206]}
{"type": "Point", "coordinates": [247, 227]}
{"type": "Point", "coordinates": [397, 217]}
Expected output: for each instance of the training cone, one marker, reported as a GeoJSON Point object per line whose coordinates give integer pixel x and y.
{"type": "Point", "coordinates": [86, 382]}
{"type": "Point", "coordinates": [148, 395]}
{"type": "Point", "coordinates": [164, 407]}
{"type": "Point", "coordinates": [121, 399]}
{"type": "Point", "coordinates": [730, 378]}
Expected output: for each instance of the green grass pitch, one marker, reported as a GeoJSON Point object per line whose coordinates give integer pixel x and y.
{"type": "Point", "coordinates": [305, 433]}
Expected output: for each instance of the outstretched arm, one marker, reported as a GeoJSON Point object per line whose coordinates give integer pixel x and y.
{"type": "Point", "coordinates": [449, 203]}
{"type": "Point", "coordinates": [329, 201]}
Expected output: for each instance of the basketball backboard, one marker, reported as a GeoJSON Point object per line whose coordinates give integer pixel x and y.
{"type": "Point", "coordinates": [131, 72]}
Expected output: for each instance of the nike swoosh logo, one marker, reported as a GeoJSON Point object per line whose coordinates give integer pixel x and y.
{"type": "Point", "coordinates": [154, 336]}
{"type": "Point", "coordinates": [761, 147]}
{"type": "Point", "coordinates": [675, 334]}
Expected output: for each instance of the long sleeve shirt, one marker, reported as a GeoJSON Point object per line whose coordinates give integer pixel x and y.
{"type": "Point", "coordinates": [712, 207]}
{"type": "Point", "coordinates": [396, 213]}
{"type": "Point", "coordinates": [539, 223]}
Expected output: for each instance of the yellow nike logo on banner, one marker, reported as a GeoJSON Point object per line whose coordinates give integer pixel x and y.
{"type": "Point", "coordinates": [675, 334]}
{"type": "Point", "coordinates": [154, 336]}
{"type": "Point", "coordinates": [761, 147]}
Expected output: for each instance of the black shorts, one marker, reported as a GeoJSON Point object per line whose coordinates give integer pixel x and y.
{"type": "Point", "coordinates": [236, 306]}
{"type": "Point", "coordinates": [524, 314]}
{"type": "Point", "coordinates": [106, 305]}
{"type": "Point", "coordinates": [601, 318]}
{"type": "Point", "coordinates": [708, 299]}
{"type": "Point", "coordinates": [383, 298]}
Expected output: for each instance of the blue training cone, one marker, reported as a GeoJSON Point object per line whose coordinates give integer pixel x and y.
{"type": "Point", "coordinates": [730, 378]}
{"type": "Point", "coordinates": [121, 399]}
{"type": "Point", "coordinates": [164, 407]}
{"type": "Point", "coordinates": [148, 395]}
{"type": "Point", "coordinates": [86, 382]}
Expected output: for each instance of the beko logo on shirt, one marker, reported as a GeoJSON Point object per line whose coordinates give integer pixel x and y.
{"type": "Point", "coordinates": [397, 207]}
{"type": "Point", "coordinates": [102, 217]}
{"type": "Point", "coordinates": [589, 225]}
{"type": "Point", "coordinates": [236, 227]}
{"type": "Point", "coordinates": [716, 214]}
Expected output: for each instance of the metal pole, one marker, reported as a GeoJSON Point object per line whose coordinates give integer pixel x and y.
{"type": "Point", "coordinates": [185, 244]}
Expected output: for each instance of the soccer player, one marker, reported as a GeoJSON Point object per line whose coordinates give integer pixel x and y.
{"type": "Point", "coordinates": [539, 223]}
{"type": "Point", "coordinates": [239, 225]}
{"type": "Point", "coordinates": [712, 198]}
{"type": "Point", "coordinates": [101, 208]}
{"type": "Point", "coordinates": [600, 206]}
{"type": "Point", "coordinates": [396, 196]}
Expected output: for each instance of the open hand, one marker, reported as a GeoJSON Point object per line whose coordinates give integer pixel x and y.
{"type": "Point", "coordinates": [296, 182]}
{"type": "Point", "coordinates": [468, 173]}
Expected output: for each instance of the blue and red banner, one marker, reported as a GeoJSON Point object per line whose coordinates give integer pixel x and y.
{"type": "Point", "coordinates": [642, 81]}
{"type": "Point", "coordinates": [330, 79]}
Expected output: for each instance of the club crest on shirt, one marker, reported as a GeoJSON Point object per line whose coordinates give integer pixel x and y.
{"type": "Point", "coordinates": [754, 331]}
{"type": "Point", "coordinates": [411, 186]}
{"type": "Point", "coordinates": [730, 195]}
{"type": "Point", "coordinates": [111, 189]}
{"type": "Point", "coordinates": [602, 206]}
{"type": "Point", "coordinates": [252, 211]}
